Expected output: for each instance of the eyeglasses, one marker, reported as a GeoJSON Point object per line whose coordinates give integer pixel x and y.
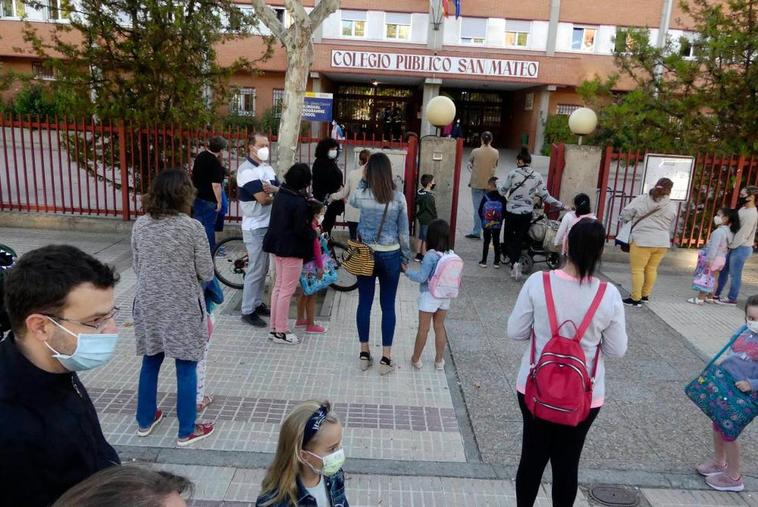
{"type": "Point", "coordinates": [97, 323]}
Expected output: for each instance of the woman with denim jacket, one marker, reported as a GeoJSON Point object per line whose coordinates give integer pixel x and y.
{"type": "Point", "coordinates": [383, 226]}
{"type": "Point", "coordinates": [307, 468]}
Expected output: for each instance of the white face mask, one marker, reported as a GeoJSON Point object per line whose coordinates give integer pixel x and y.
{"type": "Point", "coordinates": [319, 219]}
{"type": "Point", "coordinates": [752, 325]}
{"type": "Point", "coordinates": [331, 463]}
{"type": "Point", "coordinates": [332, 154]}
{"type": "Point", "coordinates": [262, 153]}
{"type": "Point", "coordinates": [717, 220]}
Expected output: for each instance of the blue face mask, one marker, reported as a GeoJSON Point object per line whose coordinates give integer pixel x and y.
{"type": "Point", "coordinates": [92, 350]}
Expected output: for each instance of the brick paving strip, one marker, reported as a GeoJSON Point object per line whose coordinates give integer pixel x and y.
{"type": "Point", "coordinates": [264, 410]}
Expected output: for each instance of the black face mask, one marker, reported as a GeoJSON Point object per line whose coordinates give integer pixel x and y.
{"type": "Point", "coordinates": [433, 186]}
{"type": "Point", "coordinates": [742, 201]}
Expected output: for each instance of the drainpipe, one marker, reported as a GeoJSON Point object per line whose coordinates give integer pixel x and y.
{"type": "Point", "coordinates": [552, 31]}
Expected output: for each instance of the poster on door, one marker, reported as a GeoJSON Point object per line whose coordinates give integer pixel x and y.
{"type": "Point", "coordinates": [678, 169]}
{"type": "Point", "coordinates": [317, 106]}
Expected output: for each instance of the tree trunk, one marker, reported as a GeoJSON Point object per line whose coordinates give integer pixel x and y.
{"type": "Point", "coordinates": [299, 61]}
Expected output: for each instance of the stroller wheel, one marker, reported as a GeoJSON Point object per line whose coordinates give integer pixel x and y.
{"type": "Point", "coordinates": [527, 264]}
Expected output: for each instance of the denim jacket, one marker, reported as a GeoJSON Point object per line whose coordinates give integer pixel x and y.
{"type": "Point", "coordinates": [395, 230]}
{"type": "Point", "coordinates": [425, 272]}
{"type": "Point", "coordinates": [335, 486]}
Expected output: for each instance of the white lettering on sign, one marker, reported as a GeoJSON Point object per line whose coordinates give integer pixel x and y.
{"type": "Point", "coordinates": [435, 63]}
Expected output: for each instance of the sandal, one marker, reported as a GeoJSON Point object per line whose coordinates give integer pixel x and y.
{"type": "Point", "coordinates": [365, 361]}
{"type": "Point", "coordinates": [207, 400]}
{"type": "Point", "coordinates": [696, 301]}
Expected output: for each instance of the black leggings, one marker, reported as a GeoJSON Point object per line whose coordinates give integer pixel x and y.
{"type": "Point", "coordinates": [561, 445]}
{"type": "Point", "coordinates": [494, 236]}
{"type": "Point", "coordinates": [516, 229]}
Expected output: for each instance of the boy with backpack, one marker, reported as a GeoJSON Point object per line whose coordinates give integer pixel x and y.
{"type": "Point", "coordinates": [440, 279]}
{"type": "Point", "coordinates": [426, 211]}
{"type": "Point", "coordinates": [491, 213]}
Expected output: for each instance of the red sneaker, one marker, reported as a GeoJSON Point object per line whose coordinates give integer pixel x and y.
{"type": "Point", "coordinates": [143, 432]}
{"type": "Point", "coordinates": [202, 430]}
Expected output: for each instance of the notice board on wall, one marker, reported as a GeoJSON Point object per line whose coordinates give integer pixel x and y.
{"type": "Point", "coordinates": [678, 169]}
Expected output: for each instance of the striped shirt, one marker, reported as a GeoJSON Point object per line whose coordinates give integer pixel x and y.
{"type": "Point", "coordinates": [250, 178]}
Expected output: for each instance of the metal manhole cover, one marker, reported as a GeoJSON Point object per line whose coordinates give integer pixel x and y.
{"type": "Point", "coordinates": [616, 496]}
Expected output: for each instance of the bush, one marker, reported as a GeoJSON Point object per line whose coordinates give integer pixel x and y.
{"type": "Point", "coordinates": [34, 99]}
{"type": "Point", "coordinates": [556, 131]}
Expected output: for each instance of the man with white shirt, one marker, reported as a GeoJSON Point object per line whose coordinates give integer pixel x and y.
{"type": "Point", "coordinates": [257, 185]}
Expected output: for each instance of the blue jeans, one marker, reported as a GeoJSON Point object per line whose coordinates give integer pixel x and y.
{"type": "Point", "coordinates": [735, 261]}
{"type": "Point", "coordinates": [387, 269]}
{"type": "Point", "coordinates": [205, 213]}
{"type": "Point", "coordinates": [477, 194]}
{"type": "Point", "coordinates": [186, 387]}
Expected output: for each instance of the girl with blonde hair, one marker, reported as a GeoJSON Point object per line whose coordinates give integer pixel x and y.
{"type": "Point", "coordinates": [307, 468]}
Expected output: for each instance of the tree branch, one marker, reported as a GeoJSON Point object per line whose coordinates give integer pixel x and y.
{"type": "Point", "coordinates": [268, 16]}
{"type": "Point", "coordinates": [323, 10]}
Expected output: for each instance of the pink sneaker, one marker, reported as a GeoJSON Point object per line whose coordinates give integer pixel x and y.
{"type": "Point", "coordinates": [710, 468]}
{"type": "Point", "coordinates": [722, 482]}
{"type": "Point", "coordinates": [202, 430]}
{"type": "Point", "coordinates": [315, 329]}
{"type": "Point", "coordinates": [301, 323]}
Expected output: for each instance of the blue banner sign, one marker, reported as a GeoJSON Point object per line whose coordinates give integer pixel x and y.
{"type": "Point", "coordinates": [317, 106]}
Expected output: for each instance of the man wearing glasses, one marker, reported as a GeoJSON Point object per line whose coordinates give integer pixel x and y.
{"type": "Point", "coordinates": [59, 302]}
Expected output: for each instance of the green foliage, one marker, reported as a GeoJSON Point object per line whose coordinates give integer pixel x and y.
{"type": "Point", "coordinates": [556, 131]}
{"type": "Point", "coordinates": [145, 61]}
{"type": "Point", "coordinates": [706, 101]}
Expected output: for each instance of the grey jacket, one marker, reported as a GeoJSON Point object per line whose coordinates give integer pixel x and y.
{"type": "Point", "coordinates": [520, 187]}
{"type": "Point", "coordinates": [655, 230]}
{"type": "Point", "coordinates": [171, 257]}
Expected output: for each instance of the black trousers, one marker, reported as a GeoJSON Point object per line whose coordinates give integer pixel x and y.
{"type": "Point", "coordinates": [334, 209]}
{"type": "Point", "coordinates": [544, 441]}
{"type": "Point", "coordinates": [494, 236]}
{"type": "Point", "coordinates": [353, 228]}
{"type": "Point", "coordinates": [516, 228]}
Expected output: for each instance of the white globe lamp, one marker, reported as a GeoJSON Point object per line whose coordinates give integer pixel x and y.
{"type": "Point", "coordinates": [440, 111]}
{"type": "Point", "coordinates": [582, 122]}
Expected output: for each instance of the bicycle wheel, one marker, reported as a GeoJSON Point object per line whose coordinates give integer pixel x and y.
{"type": "Point", "coordinates": [346, 281]}
{"type": "Point", "coordinates": [230, 262]}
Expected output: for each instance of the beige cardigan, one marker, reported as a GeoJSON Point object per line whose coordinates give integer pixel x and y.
{"type": "Point", "coordinates": [655, 230]}
{"type": "Point", "coordinates": [353, 178]}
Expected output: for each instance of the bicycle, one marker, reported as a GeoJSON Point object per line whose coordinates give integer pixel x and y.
{"type": "Point", "coordinates": [230, 261]}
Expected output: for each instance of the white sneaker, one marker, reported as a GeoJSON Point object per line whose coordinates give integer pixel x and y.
{"type": "Point", "coordinates": [287, 338]}
{"type": "Point", "coordinates": [516, 271]}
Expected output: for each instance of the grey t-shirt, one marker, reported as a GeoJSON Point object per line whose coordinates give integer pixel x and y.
{"type": "Point", "coordinates": [748, 223]}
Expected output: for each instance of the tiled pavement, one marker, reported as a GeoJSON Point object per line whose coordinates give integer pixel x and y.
{"type": "Point", "coordinates": [413, 438]}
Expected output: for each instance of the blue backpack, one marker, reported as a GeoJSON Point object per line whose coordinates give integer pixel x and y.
{"type": "Point", "coordinates": [493, 213]}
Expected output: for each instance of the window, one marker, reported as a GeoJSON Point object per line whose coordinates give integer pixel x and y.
{"type": "Point", "coordinates": [42, 71]}
{"type": "Point", "coordinates": [583, 39]}
{"type": "Point", "coordinates": [58, 10]}
{"type": "Point", "coordinates": [517, 33]}
{"type": "Point", "coordinates": [278, 102]}
{"type": "Point", "coordinates": [243, 102]}
{"type": "Point", "coordinates": [397, 26]}
{"type": "Point", "coordinates": [353, 24]}
{"type": "Point", "coordinates": [566, 109]}
{"type": "Point", "coordinates": [473, 30]}
{"type": "Point", "coordinates": [280, 13]}
{"type": "Point", "coordinates": [12, 9]}
{"type": "Point", "coordinates": [688, 48]}
{"type": "Point", "coordinates": [623, 42]}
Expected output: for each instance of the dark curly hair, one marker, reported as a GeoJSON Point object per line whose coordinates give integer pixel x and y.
{"type": "Point", "coordinates": [171, 193]}
{"type": "Point", "coordinates": [323, 147]}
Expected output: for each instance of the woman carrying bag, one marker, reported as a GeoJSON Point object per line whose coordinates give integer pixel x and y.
{"type": "Point", "coordinates": [384, 250]}
{"type": "Point", "coordinates": [648, 220]}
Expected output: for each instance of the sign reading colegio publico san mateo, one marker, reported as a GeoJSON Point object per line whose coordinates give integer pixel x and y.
{"type": "Point", "coordinates": [429, 64]}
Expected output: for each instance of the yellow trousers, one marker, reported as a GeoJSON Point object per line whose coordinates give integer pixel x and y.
{"type": "Point", "coordinates": [644, 263]}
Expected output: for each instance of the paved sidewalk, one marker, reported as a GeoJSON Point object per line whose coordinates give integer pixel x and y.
{"type": "Point", "coordinates": [415, 437]}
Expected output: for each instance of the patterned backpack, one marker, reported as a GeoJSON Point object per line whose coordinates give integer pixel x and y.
{"type": "Point", "coordinates": [446, 279]}
{"type": "Point", "coordinates": [493, 213]}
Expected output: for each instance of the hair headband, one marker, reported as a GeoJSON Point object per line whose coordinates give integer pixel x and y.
{"type": "Point", "coordinates": [314, 423]}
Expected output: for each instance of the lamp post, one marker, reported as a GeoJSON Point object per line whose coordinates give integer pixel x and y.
{"type": "Point", "coordinates": [582, 122]}
{"type": "Point", "coordinates": [440, 111]}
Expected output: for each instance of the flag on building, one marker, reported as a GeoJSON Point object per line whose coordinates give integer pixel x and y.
{"type": "Point", "coordinates": [457, 8]}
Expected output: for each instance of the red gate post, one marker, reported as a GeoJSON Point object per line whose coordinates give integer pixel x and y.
{"type": "Point", "coordinates": [124, 171]}
{"type": "Point", "coordinates": [456, 188]}
{"type": "Point", "coordinates": [605, 169]}
{"type": "Point", "coordinates": [411, 156]}
{"type": "Point", "coordinates": [737, 181]}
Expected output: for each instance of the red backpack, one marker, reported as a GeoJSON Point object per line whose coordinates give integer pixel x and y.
{"type": "Point", "coordinates": [558, 387]}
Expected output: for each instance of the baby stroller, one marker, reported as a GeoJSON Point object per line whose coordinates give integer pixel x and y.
{"type": "Point", "coordinates": [538, 246]}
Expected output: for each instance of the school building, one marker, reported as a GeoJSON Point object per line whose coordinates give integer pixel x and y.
{"type": "Point", "coordinates": [507, 65]}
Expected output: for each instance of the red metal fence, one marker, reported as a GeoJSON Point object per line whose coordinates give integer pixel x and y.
{"type": "Point", "coordinates": [74, 166]}
{"type": "Point", "coordinates": [716, 183]}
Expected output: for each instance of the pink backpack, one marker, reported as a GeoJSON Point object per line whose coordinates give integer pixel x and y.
{"type": "Point", "coordinates": [446, 279]}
